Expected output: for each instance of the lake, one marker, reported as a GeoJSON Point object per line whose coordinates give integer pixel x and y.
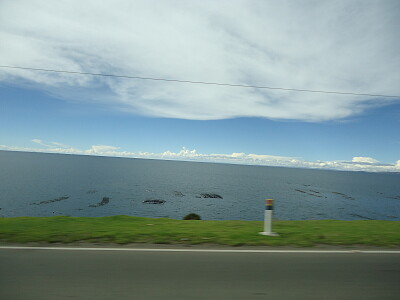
{"type": "Point", "coordinates": [40, 184]}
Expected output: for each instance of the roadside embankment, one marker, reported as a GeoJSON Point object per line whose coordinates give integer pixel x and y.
{"type": "Point", "coordinates": [127, 229]}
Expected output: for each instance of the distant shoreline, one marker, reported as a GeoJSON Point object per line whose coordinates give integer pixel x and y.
{"type": "Point", "coordinates": [203, 162]}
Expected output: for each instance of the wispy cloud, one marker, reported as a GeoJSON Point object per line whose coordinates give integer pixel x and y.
{"type": "Point", "coordinates": [60, 145]}
{"type": "Point", "coordinates": [328, 45]}
{"type": "Point", "coordinates": [367, 164]}
{"type": "Point", "coordinates": [40, 142]}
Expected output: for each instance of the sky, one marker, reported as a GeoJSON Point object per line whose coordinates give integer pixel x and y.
{"type": "Point", "coordinates": [339, 46]}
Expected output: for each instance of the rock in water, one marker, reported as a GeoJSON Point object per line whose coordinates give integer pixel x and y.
{"type": "Point", "coordinates": [52, 200]}
{"type": "Point", "coordinates": [103, 202]}
{"type": "Point", "coordinates": [211, 196]}
{"type": "Point", "coordinates": [156, 201]}
{"type": "Point", "coordinates": [178, 194]}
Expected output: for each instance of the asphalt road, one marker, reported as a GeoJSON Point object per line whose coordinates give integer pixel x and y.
{"type": "Point", "coordinates": [59, 274]}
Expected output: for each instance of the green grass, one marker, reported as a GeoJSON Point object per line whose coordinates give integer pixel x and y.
{"type": "Point", "coordinates": [126, 229]}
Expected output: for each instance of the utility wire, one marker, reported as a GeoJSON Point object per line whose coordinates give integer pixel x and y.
{"type": "Point", "coordinates": [201, 82]}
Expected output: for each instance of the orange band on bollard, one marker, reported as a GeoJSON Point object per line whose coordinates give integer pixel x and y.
{"type": "Point", "coordinates": [268, 204]}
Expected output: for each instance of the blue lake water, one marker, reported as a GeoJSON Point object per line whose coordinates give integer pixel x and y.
{"type": "Point", "coordinates": [38, 184]}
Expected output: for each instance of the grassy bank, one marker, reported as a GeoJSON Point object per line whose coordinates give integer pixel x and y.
{"type": "Point", "coordinates": [125, 229]}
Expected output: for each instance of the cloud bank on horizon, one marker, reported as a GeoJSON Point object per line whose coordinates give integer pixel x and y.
{"type": "Point", "coordinates": [349, 46]}
{"type": "Point", "coordinates": [367, 164]}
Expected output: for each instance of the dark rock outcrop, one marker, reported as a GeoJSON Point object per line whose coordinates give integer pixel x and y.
{"type": "Point", "coordinates": [343, 195]}
{"type": "Point", "coordinates": [178, 194]}
{"type": "Point", "coordinates": [155, 201]}
{"type": "Point", "coordinates": [52, 200]}
{"type": "Point", "coordinates": [311, 193]}
{"type": "Point", "coordinates": [362, 217]}
{"type": "Point", "coordinates": [192, 216]}
{"type": "Point", "coordinates": [103, 202]}
{"type": "Point", "coordinates": [204, 195]}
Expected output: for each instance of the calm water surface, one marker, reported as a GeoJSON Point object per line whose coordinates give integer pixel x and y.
{"type": "Point", "coordinates": [37, 184]}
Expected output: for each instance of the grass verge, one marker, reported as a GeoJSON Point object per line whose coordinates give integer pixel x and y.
{"type": "Point", "coordinates": [127, 229]}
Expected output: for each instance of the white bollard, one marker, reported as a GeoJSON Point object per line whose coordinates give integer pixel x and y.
{"type": "Point", "coordinates": [268, 218]}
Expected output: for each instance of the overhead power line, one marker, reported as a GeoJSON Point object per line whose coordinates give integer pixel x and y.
{"type": "Point", "coordinates": [201, 82]}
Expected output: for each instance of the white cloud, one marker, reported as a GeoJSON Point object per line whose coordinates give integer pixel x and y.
{"type": "Point", "coordinates": [268, 157]}
{"type": "Point", "coordinates": [366, 164]}
{"type": "Point", "coordinates": [368, 160]}
{"type": "Point", "coordinates": [37, 141]}
{"type": "Point", "coordinates": [40, 142]}
{"type": "Point", "coordinates": [48, 149]}
{"type": "Point", "coordinates": [60, 145]}
{"type": "Point", "coordinates": [184, 152]}
{"type": "Point", "coordinates": [238, 155]}
{"type": "Point", "coordinates": [324, 45]}
{"type": "Point", "coordinates": [101, 149]}
{"type": "Point", "coordinates": [50, 145]}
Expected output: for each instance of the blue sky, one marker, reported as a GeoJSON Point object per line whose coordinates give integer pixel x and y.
{"type": "Point", "coordinates": [353, 48]}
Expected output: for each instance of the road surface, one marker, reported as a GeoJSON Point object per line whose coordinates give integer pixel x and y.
{"type": "Point", "coordinates": [65, 274]}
